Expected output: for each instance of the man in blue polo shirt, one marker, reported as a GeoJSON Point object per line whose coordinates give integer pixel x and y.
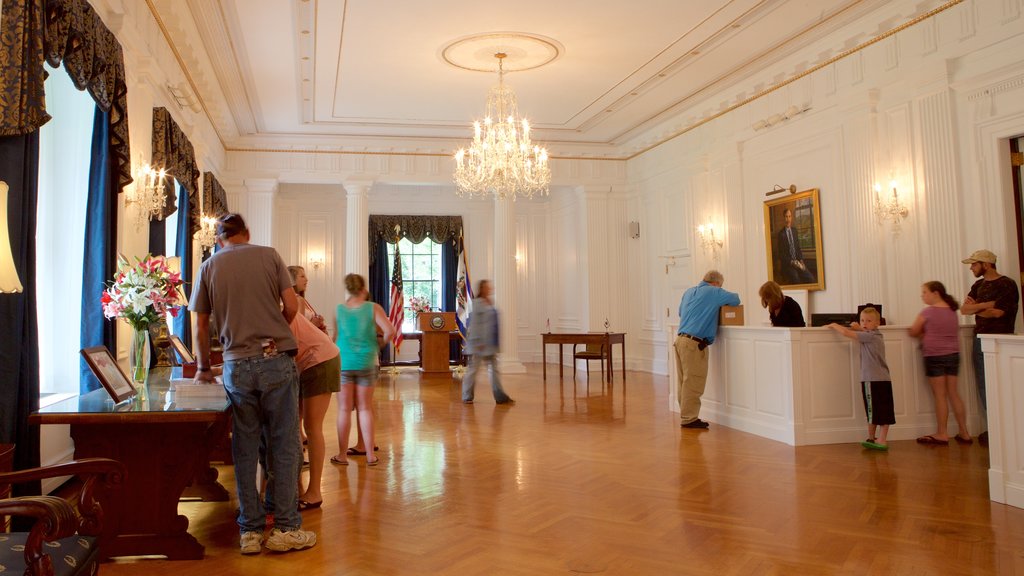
{"type": "Point", "coordinates": [698, 323]}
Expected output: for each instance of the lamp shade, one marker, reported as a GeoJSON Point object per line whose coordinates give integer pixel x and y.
{"type": "Point", "coordinates": [9, 281]}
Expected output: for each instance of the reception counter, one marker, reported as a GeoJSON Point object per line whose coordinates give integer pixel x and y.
{"type": "Point", "coordinates": [801, 385]}
{"type": "Point", "coordinates": [1004, 381]}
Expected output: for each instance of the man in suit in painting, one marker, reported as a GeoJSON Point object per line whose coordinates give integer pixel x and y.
{"type": "Point", "coordinates": [789, 256]}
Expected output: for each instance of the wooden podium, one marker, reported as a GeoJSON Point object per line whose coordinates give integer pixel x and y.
{"type": "Point", "coordinates": [434, 345]}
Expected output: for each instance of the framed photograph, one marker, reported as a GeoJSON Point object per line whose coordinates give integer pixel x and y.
{"type": "Point", "coordinates": [183, 352]}
{"type": "Point", "coordinates": [103, 365]}
{"type": "Point", "coordinates": [792, 228]}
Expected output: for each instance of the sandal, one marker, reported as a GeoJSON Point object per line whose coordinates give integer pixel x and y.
{"type": "Point", "coordinates": [303, 505]}
{"type": "Point", "coordinates": [373, 462]}
{"type": "Point", "coordinates": [356, 452]}
{"type": "Point", "coordinates": [339, 461]}
{"type": "Point", "coordinates": [929, 439]}
{"type": "Point", "coordinates": [961, 440]}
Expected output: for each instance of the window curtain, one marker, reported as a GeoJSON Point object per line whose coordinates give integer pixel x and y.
{"type": "Point", "coordinates": [440, 229]}
{"type": "Point", "coordinates": [173, 152]}
{"type": "Point", "coordinates": [19, 355]}
{"type": "Point", "coordinates": [380, 286]}
{"type": "Point", "coordinates": [100, 259]}
{"type": "Point", "coordinates": [183, 250]}
{"type": "Point", "coordinates": [449, 270]}
{"type": "Point", "coordinates": [71, 32]}
{"type": "Point", "coordinates": [215, 198]}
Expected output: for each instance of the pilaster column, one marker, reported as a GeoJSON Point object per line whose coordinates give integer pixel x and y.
{"type": "Point", "coordinates": [260, 219]}
{"type": "Point", "coordinates": [357, 227]}
{"type": "Point", "coordinates": [505, 285]}
{"type": "Point", "coordinates": [594, 245]}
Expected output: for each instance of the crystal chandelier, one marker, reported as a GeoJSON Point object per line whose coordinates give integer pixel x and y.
{"type": "Point", "coordinates": [149, 197]}
{"type": "Point", "coordinates": [502, 160]}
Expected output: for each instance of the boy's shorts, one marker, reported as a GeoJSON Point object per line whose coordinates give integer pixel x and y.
{"type": "Point", "coordinates": [878, 402]}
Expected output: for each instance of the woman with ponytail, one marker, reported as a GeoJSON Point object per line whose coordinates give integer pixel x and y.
{"type": "Point", "coordinates": [938, 328]}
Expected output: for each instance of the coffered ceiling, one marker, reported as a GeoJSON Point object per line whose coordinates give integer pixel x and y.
{"type": "Point", "coordinates": [398, 74]}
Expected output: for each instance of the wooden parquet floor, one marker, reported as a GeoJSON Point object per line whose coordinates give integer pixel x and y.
{"type": "Point", "coordinates": [603, 481]}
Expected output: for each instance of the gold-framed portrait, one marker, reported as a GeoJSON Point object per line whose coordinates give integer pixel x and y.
{"type": "Point", "coordinates": [792, 228]}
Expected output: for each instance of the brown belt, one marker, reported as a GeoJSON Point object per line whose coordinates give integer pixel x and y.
{"type": "Point", "coordinates": [702, 343]}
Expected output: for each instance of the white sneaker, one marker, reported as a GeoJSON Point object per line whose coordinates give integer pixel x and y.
{"type": "Point", "coordinates": [292, 540]}
{"type": "Point", "coordinates": [252, 542]}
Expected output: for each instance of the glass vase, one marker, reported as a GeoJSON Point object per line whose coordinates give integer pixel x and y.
{"type": "Point", "coordinates": [138, 359]}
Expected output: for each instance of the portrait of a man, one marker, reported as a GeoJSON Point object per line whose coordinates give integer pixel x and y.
{"type": "Point", "coordinates": [793, 239]}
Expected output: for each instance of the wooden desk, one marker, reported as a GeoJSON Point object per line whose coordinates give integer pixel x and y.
{"type": "Point", "coordinates": [164, 448]}
{"type": "Point", "coordinates": [605, 338]}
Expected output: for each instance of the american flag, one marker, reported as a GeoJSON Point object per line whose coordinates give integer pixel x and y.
{"type": "Point", "coordinates": [397, 315]}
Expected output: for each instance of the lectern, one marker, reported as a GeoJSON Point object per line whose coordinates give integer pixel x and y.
{"type": "Point", "coordinates": [434, 345]}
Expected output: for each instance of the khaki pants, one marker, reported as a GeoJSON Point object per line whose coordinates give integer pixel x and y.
{"type": "Point", "coordinates": [692, 370]}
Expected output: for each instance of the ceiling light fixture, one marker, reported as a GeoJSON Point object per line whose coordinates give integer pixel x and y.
{"type": "Point", "coordinates": [502, 160]}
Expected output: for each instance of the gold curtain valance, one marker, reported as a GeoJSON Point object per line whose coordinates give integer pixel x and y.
{"type": "Point", "coordinates": [68, 32]}
{"type": "Point", "coordinates": [440, 229]}
{"type": "Point", "coordinates": [173, 152]}
{"type": "Point", "coordinates": [215, 198]}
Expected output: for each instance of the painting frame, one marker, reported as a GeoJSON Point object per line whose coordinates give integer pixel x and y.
{"type": "Point", "coordinates": [793, 243]}
{"type": "Point", "coordinates": [184, 354]}
{"type": "Point", "coordinates": [107, 371]}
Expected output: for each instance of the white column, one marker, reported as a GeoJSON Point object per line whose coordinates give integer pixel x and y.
{"type": "Point", "coordinates": [260, 219]}
{"type": "Point", "coordinates": [505, 285]}
{"type": "Point", "coordinates": [357, 225]}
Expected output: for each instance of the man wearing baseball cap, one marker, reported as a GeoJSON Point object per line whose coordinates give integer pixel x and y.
{"type": "Point", "coordinates": [993, 302]}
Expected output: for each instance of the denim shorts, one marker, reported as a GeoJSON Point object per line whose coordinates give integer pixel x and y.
{"type": "Point", "coordinates": [947, 365]}
{"type": "Point", "coordinates": [360, 377]}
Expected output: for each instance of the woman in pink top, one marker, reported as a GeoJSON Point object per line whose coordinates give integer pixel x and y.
{"type": "Point", "coordinates": [319, 363]}
{"type": "Point", "coordinates": [938, 328]}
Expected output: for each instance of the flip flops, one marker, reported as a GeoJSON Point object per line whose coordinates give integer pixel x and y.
{"type": "Point", "coordinates": [961, 440]}
{"type": "Point", "coordinates": [303, 505]}
{"type": "Point", "coordinates": [339, 461]}
{"type": "Point", "coordinates": [874, 445]}
{"type": "Point", "coordinates": [373, 462]}
{"type": "Point", "coordinates": [354, 452]}
{"type": "Point", "coordinates": [929, 439]}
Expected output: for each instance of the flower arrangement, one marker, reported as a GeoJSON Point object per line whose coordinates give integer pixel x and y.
{"type": "Point", "coordinates": [419, 305]}
{"type": "Point", "coordinates": [143, 292]}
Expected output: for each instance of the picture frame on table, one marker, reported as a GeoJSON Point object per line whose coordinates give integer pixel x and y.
{"type": "Point", "coordinates": [184, 354]}
{"type": "Point", "coordinates": [110, 375]}
{"type": "Point", "coordinates": [792, 228]}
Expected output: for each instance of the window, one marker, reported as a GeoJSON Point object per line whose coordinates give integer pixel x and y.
{"type": "Point", "coordinates": [65, 151]}
{"type": "Point", "coordinates": [421, 274]}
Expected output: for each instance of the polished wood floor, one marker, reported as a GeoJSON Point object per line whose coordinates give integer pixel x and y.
{"type": "Point", "coordinates": [572, 480]}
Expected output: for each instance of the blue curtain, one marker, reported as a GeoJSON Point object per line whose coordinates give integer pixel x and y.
{"type": "Point", "coordinates": [100, 257]}
{"type": "Point", "coordinates": [183, 249]}
{"type": "Point", "coordinates": [449, 271]}
{"type": "Point", "coordinates": [19, 329]}
{"type": "Point", "coordinates": [380, 285]}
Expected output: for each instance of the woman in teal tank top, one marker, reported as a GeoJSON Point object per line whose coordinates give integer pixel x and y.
{"type": "Point", "coordinates": [357, 340]}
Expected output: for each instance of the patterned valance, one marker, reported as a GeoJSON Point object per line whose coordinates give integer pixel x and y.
{"type": "Point", "coordinates": [68, 32]}
{"type": "Point", "coordinates": [440, 229]}
{"type": "Point", "coordinates": [173, 152]}
{"type": "Point", "coordinates": [215, 198]}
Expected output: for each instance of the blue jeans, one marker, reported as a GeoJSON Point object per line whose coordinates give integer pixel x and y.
{"type": "Point", "coordinates": [978, 357]}
{"type": "Point", "coordinates": [264, 394]}
{"type": "Point", "coordinates": [476, 362]}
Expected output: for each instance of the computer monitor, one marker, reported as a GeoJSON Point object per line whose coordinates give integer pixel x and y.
{"type": "Point", "coordinates": [876, 307]}
{"type": "Point", "coordinates": [842, 318]}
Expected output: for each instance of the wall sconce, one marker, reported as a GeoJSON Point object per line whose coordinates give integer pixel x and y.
{"type": "Point", "coordinates": [634, 229]}
{"type": "Point", "coordinates": [316, 261]}
{"type": "Point", "coordinates": [206, 236]}
{"type": "Point", "coordinates": [708, 241]}
{"type": "Point", "coordinates": [148, 196]}
{"type": "Point", "coordinates": [9, 281]}
{"type": "Point", "coordinates": [891, 209]}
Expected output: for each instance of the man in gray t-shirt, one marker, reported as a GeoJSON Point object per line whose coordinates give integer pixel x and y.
{"type": "Point", "coordinates": [243, 287]}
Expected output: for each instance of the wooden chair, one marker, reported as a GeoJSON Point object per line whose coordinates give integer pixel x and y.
{"type": "Point", "coordinates": [590, 352]}
{"type": "Point", "coordinates": [65, 536]}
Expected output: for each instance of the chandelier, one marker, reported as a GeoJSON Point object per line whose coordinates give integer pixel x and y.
{"type": "Point", "coordinates": [892, 209]}
{"type": "Point", "coordinates": [149, 197]}
{"type": "Point", "coordinates": [502, 160]}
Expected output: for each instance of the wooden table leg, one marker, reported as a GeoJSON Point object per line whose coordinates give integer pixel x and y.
{"type": "Point", "coordinates": [544, 356]}
{"type": "Point", "coordinates": [561, 363]}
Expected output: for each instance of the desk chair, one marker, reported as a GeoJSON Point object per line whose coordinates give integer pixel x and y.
{"type": "Point", "coordinates": [65, 536]}
{"type": "Point", "coordinates": [590, 352]}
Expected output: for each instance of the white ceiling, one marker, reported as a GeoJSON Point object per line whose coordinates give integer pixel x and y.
{"type": "Point", "coordinates": [371, 73]}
